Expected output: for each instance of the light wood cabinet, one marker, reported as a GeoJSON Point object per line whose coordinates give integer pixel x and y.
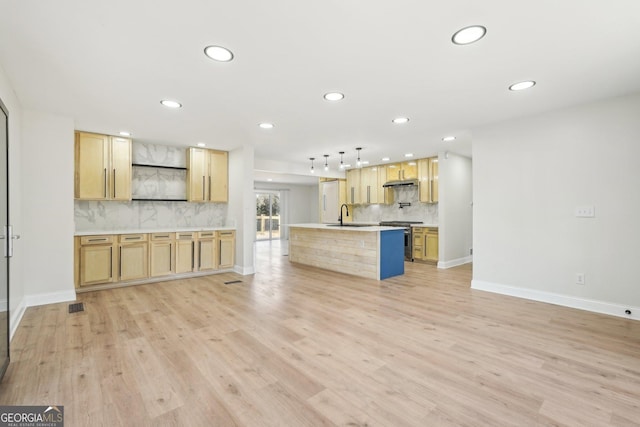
{"type": "Point", "coordinates": [353, 187]}
{"type": "Point", "coordinates": [428, 178]}
{"type": "Point", "coordinates": [95, 260]}
{"type": "Point", "coordinates": [425, 243]}
{"type": "Point", "coordinates": [185, 252]}
{"type": "Point", "coordinates": [385, 195]}
{"type": "Point", "coordinates": [162, 254]}
{"type": "Point", "coordinates": [369, 185]}
{"type": "Point", "coordinates": [207, 175]}
{"type": "Point", "coordinates": [102, 167]}
{"type": "Point", "coordinates": [133, 257]}
{"type": "Point", "coordinates": [401, 171]}
{"type": "Point", "coordinates": [226, 248]}
{"type": "Point", "coordinates": [218, 176]}
{"type": "Point", "coordinates": [207, 256]}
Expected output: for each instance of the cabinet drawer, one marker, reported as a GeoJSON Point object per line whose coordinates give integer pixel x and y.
{"type": "Point", "coordinates": [162, 236]}
{"type": "Point", "coordinates": [128, 238]}
{"type": "Point", "coordinates": [227, 233]}
{"type": "Point", "coordinates": [206, 234]}
{"type": "Point", "coordinates": [96, 240]}
{"type": "Point", "coordinates": [418, 229]}
{"type": "Point", "coordinates": [185, 236]}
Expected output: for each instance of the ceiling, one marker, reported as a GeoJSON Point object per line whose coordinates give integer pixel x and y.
{"type": "Point", "coordinates": [107, 64]}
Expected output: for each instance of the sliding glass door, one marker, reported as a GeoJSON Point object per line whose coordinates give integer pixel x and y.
{"type": "Point", "coordinates": [267, 215]}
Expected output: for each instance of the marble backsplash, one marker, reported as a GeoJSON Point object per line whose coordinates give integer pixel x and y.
{"type": "Point", "coordinates": [418, 211]}
{"type": "Point", "coordinates": [151, 183]}
{"type": "Point", "coordinates": [141, 215]}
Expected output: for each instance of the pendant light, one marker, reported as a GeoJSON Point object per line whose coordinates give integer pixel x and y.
{"type": "Point", "coordinates": [312, 159]}
{"type": "Point", "coordinates": [358, 162]}
{"type": "Point", "coordinates": [341, 162]}
{"type": "Point", "coordinates": [326, 162]}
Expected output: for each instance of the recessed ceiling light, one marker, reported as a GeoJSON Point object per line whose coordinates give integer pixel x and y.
{"type": "Point", "coordinates": [201, 144]}
{"type": "Point", "coordinates": [449, 138]}
{"type": "Point", "coordinates": [409, 155]}
{"type": "Point", "coordinates": [269, 179]}
{"type": "Point", "coordinates": [400, 120]}
{"type": "Point", "coordinates": [266, 125]}
{"type": "Point", "coordinates": [385, 159]}
{"type": "Point", "coordinates": [218, 53]}
{"type": "Point", "coordinates": [522, 85]}
{"type": "Point", "coordinates": [365, 162]}
{"type": "Point", "coordinates": [333, 96]}
{"type": "Point", "coordinates": [469, 35]}
{"type": "Point", "coordinates": [170, 104]}
{"type": "Point", "coordinates": [125, 133]}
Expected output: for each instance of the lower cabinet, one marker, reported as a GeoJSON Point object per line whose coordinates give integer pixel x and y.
{"type": "Point", "coordinates": [134, 257]}
{"type": "Point", "coordinates": [207, 250]}
{"type": "Point", "coordinates": [185, 252]}
{"type": "Point", "coordinates": [425, 243]}
{"type": "Point", "coordinates": [95, 260]}
{"type": "Point", "coordinates": [110, 259]}
{"type": "Point", "coordinates": [162, 254]}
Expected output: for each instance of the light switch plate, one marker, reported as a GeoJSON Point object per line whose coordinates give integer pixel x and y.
{"type": "Point", "coordinates": [585, 211]}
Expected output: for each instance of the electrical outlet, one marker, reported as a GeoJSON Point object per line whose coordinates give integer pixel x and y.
{"type": "Point", "coordinates": [580, 278]}
{"type": "Point", "coordinates": [585, 211]}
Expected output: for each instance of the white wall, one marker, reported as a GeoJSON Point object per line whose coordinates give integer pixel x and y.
{"type": "Point", "coordinates": [455, 209]}
{"type": "Point", "coordinates": [47, 207]}
{"type": "Point", "coordinates": [242, 207]}
{"type": "Point", "coordinates": [17, 303]}
{"type": "Point", "coordinates": [529, 175]}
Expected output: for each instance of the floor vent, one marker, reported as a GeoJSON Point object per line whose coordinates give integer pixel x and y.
{"type": "Point", "coordinates": [232, 282]}
{"type": "Point", "coordinates": [76, 307]}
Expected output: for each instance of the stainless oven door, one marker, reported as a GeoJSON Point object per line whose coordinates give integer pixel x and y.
{"type": "Point", "coordinates": [408, 245]}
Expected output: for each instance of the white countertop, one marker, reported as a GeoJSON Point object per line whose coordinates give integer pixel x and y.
{"type": "Point", "coordinates": [369, 228]}
{"type": "Point", "coordinates": [150, 230]}
{"type": "Point", "coordinates": [425, 225]}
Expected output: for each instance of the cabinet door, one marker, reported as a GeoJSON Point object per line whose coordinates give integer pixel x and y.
{"type": "Point", "coordinates": [185, 253]}
{"type": "Point", "coordinates": [120, 169]}
{"type": "Point", "coordinates": [134, 261]}
{"type": "Point", "coordinates": [394, 172]}
{"type": "Point", "coordinates": [197, 164]}
{"type": "Point", "coordinates": [161, 254]}
{"type": "Point", "coordinates": [353, 186]}
{"type": "Point", "coordinates": [431, 246]}
{"type": "Point", "coordinates": [91, 166]}
{"type": "Point", "coordinates": [434, 179]}
{"type": "Point", "coordinates": [206, 254]}
{"type": "Point", "coordinates": [226, 249]}
{"type": "Point", "coordinates": [218, 176]}
{"type": "Point", "coordinates": [428, 177]}
{"type": "Point", "coordinates": [385, 195]}
{"type": "Point", "coordinates": [410, 170]}
{"type": "Point", "coordinates": [96, 264]}
{"type": "Point", "coordinates": [329, 201]}
{"type": "Point", "coordinates": [418, 243]}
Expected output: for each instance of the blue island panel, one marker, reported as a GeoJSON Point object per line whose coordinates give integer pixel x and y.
{"type": "Point", "coordinates": [391, 253]}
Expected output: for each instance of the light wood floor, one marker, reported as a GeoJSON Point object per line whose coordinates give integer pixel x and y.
{"type": "Point", "coordinates": [297, 346]}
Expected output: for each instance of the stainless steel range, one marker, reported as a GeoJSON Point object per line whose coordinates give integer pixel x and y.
{"type": "Point", "coordinates": [408, 236]}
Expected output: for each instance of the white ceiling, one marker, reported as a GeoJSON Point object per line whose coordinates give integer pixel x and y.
{"type": "Point", "coordinates": [107, 64]}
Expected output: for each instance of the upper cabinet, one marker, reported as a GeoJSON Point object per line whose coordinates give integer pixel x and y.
{"type": "Point", "coordinates": [102, 167]}
{"type": "Point", "coordinates": [207, 175]}
{"type": "Point", "coordinates": [404, 170]}
{"type": "Point", "coordinates": [428, 177]}
{"type": "Point", "coordinates": [354, 192]}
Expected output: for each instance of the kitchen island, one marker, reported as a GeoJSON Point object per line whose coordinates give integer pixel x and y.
{"type": "Point", "coordinates": [369, 251]}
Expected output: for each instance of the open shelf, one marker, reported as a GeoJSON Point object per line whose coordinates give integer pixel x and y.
{"type": "Point", "coordinates": [159, 166]}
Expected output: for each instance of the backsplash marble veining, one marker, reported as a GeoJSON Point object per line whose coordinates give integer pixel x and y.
{"type": "Point", "coordinates": [418, 211]}
{"type": "Point", "coordinates": [151, 183]}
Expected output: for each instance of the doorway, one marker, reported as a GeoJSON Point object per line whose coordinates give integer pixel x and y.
{"type": "Point", "coordinates": [268, 215]}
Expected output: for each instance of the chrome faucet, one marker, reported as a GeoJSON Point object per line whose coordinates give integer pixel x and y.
{"type": "Point", "coordinates": [340, 219]}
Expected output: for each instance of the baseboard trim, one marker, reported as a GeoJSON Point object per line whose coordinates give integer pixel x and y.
{"type": "Point", "coordinates": [595, 306]}
{"type": "Point", "coordinates": [455, 262]}
{"type": "Point", "coordinates": [16, 318]}
{"type": "Point", "coordinates": [244, 270]}
{"type": "Point", "coordinates": [50, 298]}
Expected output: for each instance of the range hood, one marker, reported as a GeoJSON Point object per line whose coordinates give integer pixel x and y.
{"type": "Point", "coordinates": [400, 183]}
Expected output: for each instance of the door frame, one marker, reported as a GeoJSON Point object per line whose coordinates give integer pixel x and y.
{"type": "Point", "coordinates": [4, 363]}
